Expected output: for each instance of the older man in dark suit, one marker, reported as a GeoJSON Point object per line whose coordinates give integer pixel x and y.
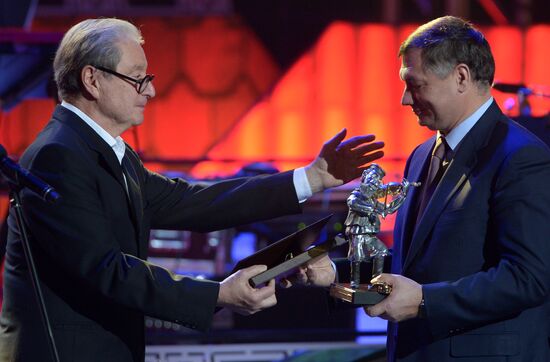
{"type": "Point", "coordinates": [91, 246]}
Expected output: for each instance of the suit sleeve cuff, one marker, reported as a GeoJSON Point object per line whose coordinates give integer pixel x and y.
{"type": "Point", "coordinates": [301, 184]}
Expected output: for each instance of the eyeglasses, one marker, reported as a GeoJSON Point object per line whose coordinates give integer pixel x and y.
{"type": "Point", "coordinates": [140, 84]}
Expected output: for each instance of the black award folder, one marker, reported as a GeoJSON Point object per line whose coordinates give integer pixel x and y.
{"type": "Point", "coordinates": [289, 253]}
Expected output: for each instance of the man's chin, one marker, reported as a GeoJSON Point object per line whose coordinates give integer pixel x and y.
{"type": "Point", "coordinates": [137, 121]}
{"type": "Point", "coordinates": [428, 123]}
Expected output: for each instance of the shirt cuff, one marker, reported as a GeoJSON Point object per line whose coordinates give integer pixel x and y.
{"type": "Point", "coordinates": [301, 184]}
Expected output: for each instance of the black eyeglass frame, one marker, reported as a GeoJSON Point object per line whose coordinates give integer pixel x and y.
{"type": "Point", "coordinates": [140, 84]}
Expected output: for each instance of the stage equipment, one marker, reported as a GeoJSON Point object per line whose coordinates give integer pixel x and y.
{"type": "Point", "coordinates": [18, 179]}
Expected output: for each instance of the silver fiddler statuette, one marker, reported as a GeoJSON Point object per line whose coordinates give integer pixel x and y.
{"type": "Point", "coordinates": [366, 204]}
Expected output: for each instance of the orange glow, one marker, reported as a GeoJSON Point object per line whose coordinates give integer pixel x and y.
{"type": "Point", "coordinates": [506, 43]}
{"type": "Point", "coordinates": [537, 58]}
{"type": "Point", "coordinates": [334, 80]}
{"type": "Point", "coordinates": [350, 79]}
{"type": "Point", "coordinates": [221, 96]}
{"type": "Point", "coordinates": [378, 91]}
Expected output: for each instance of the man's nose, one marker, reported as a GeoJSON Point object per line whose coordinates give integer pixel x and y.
{"type": "Point", "coordinates": [149, 91]}
{"type": "Point", "coordinates": [406, 98]}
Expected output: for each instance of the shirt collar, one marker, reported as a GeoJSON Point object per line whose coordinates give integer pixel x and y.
{"type": "Point", "coordinates": [117, 144]}
{"type": "Point", "coordinates": [459, 132]}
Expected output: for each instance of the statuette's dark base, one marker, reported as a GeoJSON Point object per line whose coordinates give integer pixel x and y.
{"type": "Point", "coordinates": [363, 295]}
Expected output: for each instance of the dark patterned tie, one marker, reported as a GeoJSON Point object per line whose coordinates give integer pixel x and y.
{"type": "Point", "coordinates": [437, 169]}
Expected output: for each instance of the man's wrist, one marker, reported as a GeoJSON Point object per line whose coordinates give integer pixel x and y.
{"type": "Point", "coordinates": [313, 177]}
{"type": "Point", "coordinates": [301, 184]}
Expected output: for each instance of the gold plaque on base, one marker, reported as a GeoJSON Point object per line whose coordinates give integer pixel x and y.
{"type": "Point", "coordinates": [366, 294]}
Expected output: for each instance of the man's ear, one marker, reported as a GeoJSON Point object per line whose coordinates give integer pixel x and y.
{"type": "Point", "coordinates": [89, 78]}
{"type": "Point", "coordinates": [463, 77]}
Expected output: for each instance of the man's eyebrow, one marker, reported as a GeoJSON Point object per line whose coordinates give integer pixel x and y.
{"type": "Point", "coordinates": [138, 67]}
{"type": "Point", "coordinates": [404, 74]}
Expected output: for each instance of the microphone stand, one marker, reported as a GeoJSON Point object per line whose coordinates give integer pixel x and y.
{"type": "Point", "coordinates": [15, 203]}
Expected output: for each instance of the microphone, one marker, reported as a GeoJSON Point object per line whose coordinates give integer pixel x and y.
{"type": "Point", "coordinates": [22, 177]}
{"type": "Point", "coordinates": [512, 88]}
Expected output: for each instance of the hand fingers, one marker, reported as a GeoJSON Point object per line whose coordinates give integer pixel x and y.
{"type": "Point", "coordinates": [313, 278]}
{"type": "Point", "coordinates": [357, 140]}
{"type": "Point", "coordinates": [368, 311]}
{"type": "Point", "coordinates": [384, 278]}
{"type": "Point", "coordinates": [252, 271]}
{"type": "Point", "coordinates": [266, 291]}
{"type": "Point", "coordinates": [268, 302]}
{"type": "Point", "coordinates": [368, 159]}
{"type": "Point", "coordinates": [320, 261]}
{"type": "Point", "coordinates": [368, 148]}
{"type": "Point", "coordinates": [258, 299]}
{"type": "Point", "coordinates": [383, 315]}
{"type": "Point", "coordinates": [300, 277]}
{"type": "Point", "coordinates": [314, 272]}
{"type": "Point", "coordinates": [379, 310]}
{"type": "Point", "coordinates": [261, 305]}
{"type": "Point", "coordinates": [335, 141]}
{"type": "Point", "coordinates": [363, 159]}
{"type": "Point", "coordinates": [266, 295]}
{"type": "Point", "coordinates": [371, 157]}
{"type": "Point", "coordinates": [272, 299]}
{"type": "Point", "coordinates": [320, 271]}
{"type": "Point", "coordinates": [376, 310]}
{"type": "Point", "coordinates": [285, 283]}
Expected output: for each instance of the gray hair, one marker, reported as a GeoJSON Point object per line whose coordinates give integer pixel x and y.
{"type": "Point", "coordinates": [448, 41]}
{"type": "Point", "coordinates": [90, 42]}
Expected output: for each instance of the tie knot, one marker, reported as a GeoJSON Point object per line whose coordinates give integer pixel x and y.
{"type": "Point", "coordinates": [440, 148]}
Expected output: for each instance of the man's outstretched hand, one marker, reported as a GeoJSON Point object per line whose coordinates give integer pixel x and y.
{"type": "Point", "coordinates": [341, 161]}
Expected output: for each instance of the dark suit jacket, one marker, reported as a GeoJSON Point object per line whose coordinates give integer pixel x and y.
{"type": "Point", "coordinates": [90, 247]}
{"type": "Point", "coordinates": [481, 250]}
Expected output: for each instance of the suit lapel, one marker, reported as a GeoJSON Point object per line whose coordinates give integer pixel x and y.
{"type": "Point", "coordinates": [134, 193]}
{"type": "Point", "coordinates": [107, 158]}
{"type": "Point", "coordinates": [451, 181]}
{"type": "Point", "coordinates": [405, 221]}
{"type": "Point", "coordinates": [456, 174]}
{"type": "Point", "coordinates": [108, 161]}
